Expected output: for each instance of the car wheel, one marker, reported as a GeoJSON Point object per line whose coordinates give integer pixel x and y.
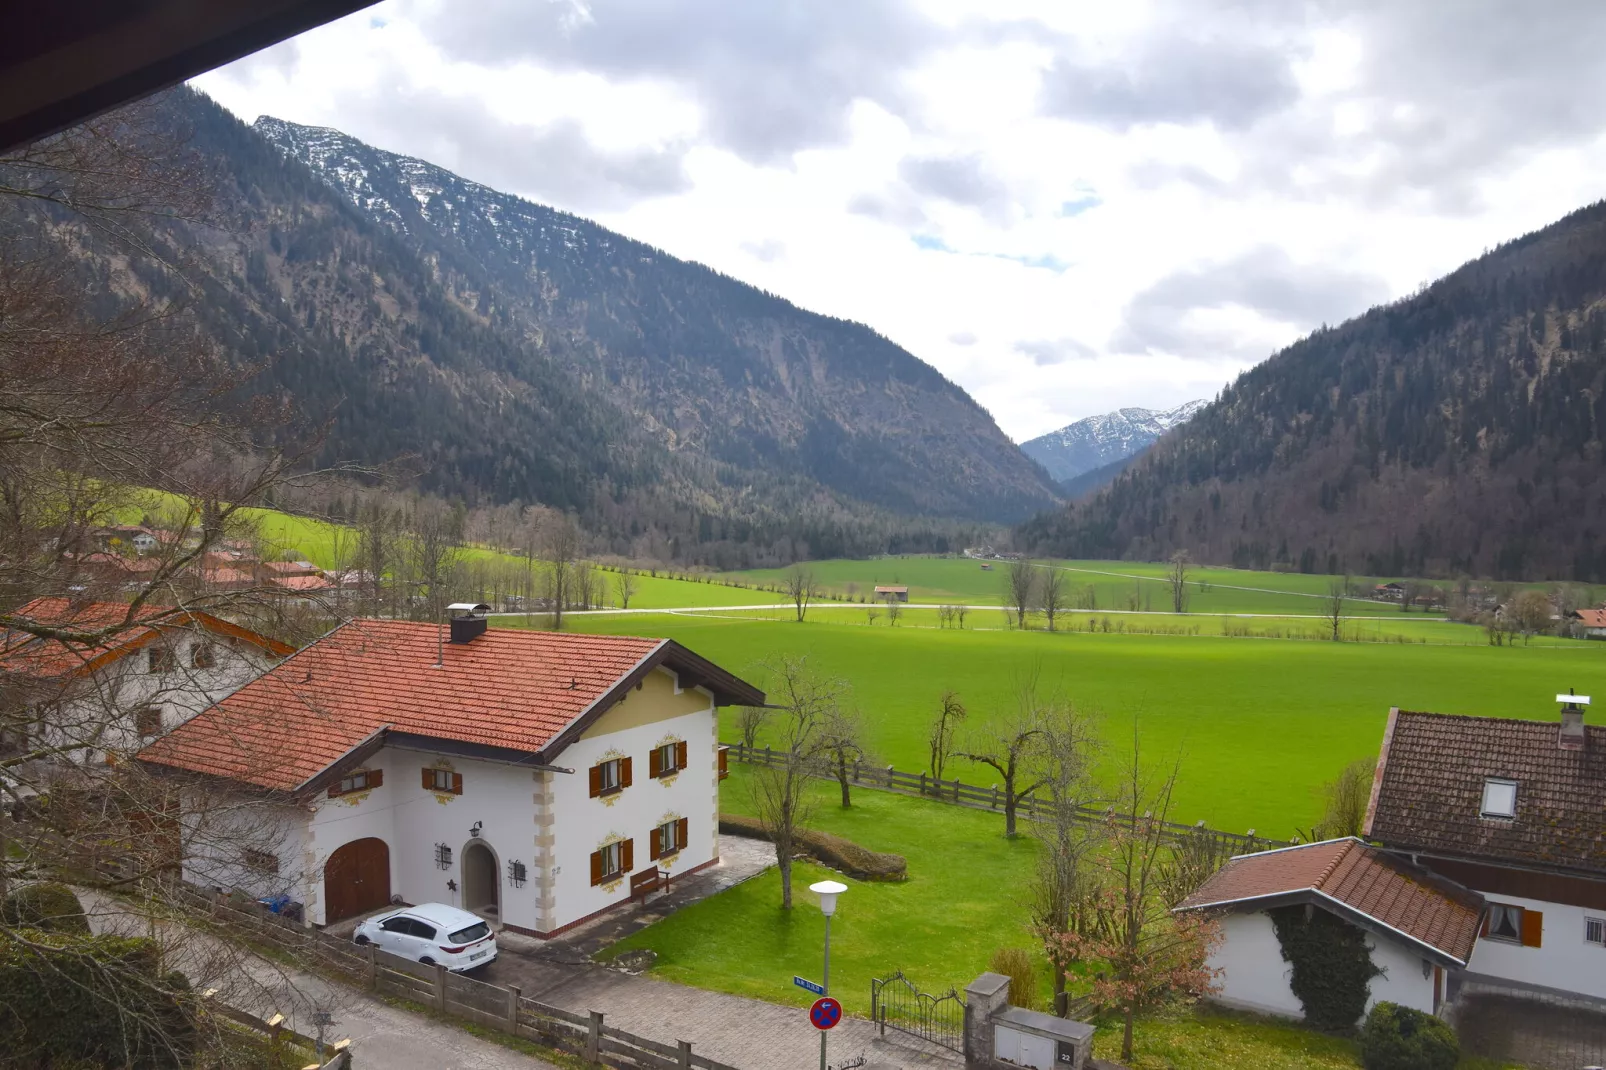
{"type": "Point", "coordinates": [426, 961]}
{"type": "Point", "coordinates": [362, 940]}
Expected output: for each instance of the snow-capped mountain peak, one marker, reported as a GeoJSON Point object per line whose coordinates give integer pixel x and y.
{"type": "Point", "coordinates": [1100, 440]}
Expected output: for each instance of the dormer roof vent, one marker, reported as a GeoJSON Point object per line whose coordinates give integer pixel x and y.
{"type": "Point", "coordinates": [468, 620]}
{"type": "Point", "coordinates": [1572, 736]}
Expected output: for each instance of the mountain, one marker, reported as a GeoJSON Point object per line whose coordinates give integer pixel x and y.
{"type": "Point", "coordinates": [746, 385]}
{"type": "Point", "coordinates": [1078, 487]}
{"type": "Point", "coordinates": [1099, 440]}
{"type": "Point", "coordinates": [1454, 432]}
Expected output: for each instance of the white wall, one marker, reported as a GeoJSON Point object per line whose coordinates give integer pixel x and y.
{"type": "Point", "coordinates": [584, 824]}
{"type": "Point", "coordinates": [1255, 977]}
{"type": "Point", "coordinates": [218, 828]}
{"type": "Point", "coordinates": [1562, 960]}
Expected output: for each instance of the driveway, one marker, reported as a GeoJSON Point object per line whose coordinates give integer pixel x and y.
{"type": "Point", "coordinates": [1543, 1036]}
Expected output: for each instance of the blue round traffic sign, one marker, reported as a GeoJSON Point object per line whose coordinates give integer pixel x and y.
{"type": "Point", "coordinates": [825, 1013]}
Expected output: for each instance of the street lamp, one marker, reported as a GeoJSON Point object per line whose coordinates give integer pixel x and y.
{"type": "Point", "coordinates": [828, 892]}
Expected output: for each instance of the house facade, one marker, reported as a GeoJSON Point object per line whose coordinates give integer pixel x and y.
{"type": "Point", "coordinates": [147, 672]}
{"type": "Point", "coordinates": [1419, 929]}
{"type": "Point", "coordinates": [1515, 810]}
{"type": "Point", "coordinates": [537, 779]}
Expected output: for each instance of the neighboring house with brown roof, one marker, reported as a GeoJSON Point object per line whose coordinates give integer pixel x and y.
{"type": "Point", "coordinates": [142, 673]}
{"type": "Point", "coordinates": [1420, 928]}
{"type": "Point", "coordinates": [496, 771]}
{"type": "Point", "coordinates": [1515, 809]}
{"type": "Point", "coordinates": [894, 592]}
{"type": "Point", "coordinates": [1592, 622]}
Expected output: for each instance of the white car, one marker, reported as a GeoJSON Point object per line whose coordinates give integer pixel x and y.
{"type": "Point", "coordinates": [431, 933]}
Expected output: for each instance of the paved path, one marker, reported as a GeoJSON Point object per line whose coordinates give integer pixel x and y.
{"type": "Point", "coordinates": [1539, 1035]}
{"type": "Point", "coordinates": [382, 1036]}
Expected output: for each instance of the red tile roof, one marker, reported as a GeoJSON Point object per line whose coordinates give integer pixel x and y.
{"type": "Point", "coordinates": [1592, 618]}
{"type": "Point", "coordinates": [508, 688]}
{"type": "Point", "coordinates": [1428, 792]}
{"type": "Point", "coordinates": [1362, 883]}
{"type": "Point", "coordinates": [24, 654]}
{"type": "Point", "coordinates": [301, 583]}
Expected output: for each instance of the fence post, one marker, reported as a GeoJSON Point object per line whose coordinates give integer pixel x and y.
{"type": "Point", "coordinates": [440, 988]}
{"type": "Point", "coordinates": [594, 1038]}
{"type": "Point", "coordinates": [373, 968]}
{"type": "Point", "coordinates": [956, 789]}
{"type": "Point", "coordinates": [513, 994]}
{"type": "Point", "coordinates": [685, 1053]}
{"type": "Point", "coordinates": [922, 783]}
{"type": "Point", "coordinates": [995, 796]}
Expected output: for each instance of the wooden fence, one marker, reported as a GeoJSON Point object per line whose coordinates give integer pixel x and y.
{"type": "Point", "coordinates": [979, 798]}
{"type": "Point", "coordinates": [496, 1006]}
{"type": "Point", "coordinates": [273, 1031]}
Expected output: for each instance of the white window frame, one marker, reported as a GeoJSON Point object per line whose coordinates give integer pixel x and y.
{"type": "Point", "coordinates": [612, 776]}
{"type": "Point", "coordinates": [1599, 927]}
{"type": "Point", "coordinates": [1498, 784]}
{"type": "Point", "coordinates": [667, 756]}
{"type": "Point", "coordinates": [1497, 910]}
{"type": "Point", "coordinates": [668, 838]}
{"type": "Point", "coordinates": [613, 852]}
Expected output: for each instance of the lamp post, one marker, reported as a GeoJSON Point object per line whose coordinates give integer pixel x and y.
{"type": "Point", "coordinates": [827, 891]}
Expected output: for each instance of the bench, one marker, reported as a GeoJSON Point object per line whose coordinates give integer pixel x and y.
{"type": "Point", "coordinates": [648, 881]}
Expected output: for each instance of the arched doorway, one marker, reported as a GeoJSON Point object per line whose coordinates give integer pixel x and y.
{"type": "Point", "coordinates": [482, 884]}
{"type": "Point", "coordinates": [356, 879]}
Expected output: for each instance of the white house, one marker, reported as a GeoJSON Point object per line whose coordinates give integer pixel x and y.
{"type": "Point", "coordinates": [1517, 811]}
{"type": "Point", "coordinates": [535, 778]}
{"type": "Point", "coordinates": [137, 674]}
{"type": "Point", "coordinates": [1419, 928]}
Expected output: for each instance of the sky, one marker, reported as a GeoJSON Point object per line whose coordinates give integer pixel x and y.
{"type": "Point", "coordinates": [1065, 207]}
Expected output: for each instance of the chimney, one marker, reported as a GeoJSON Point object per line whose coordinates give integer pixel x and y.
{"type": "Point", "coordinates": [1572, 720]}
{"type": "Point", "coordinates": [467, 620]}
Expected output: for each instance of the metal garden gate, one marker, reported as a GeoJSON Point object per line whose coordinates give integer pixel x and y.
{"type": "Point", "coordinates": [895, 1003]}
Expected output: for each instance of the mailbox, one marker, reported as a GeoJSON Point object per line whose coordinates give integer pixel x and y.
{"type": "Point", "coordinates": [1040, 1041]}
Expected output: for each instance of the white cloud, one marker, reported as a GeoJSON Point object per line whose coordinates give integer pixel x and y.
{"type": "Point", "coordinates": [1064, 212]}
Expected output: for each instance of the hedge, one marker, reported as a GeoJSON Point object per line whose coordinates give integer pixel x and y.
{"type": "Point", "coordinates": [842, 855]}
{"type": "Point", "coordinates": [100, 1000]}
{"type": "Point", "coordinates": [46, 906]}
{"type": "Point", "coordinates": [1399, 1038]}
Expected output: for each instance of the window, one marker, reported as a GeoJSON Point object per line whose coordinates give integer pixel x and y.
{"type": "Point", "coordinates": [1517, 925]}
{"type": "Point", "coordinates": [148, 720]}
{"type": "Point", "coordinates": [666, 760]}
{"type": "Point", "coordinates": [517, 874]}
{"type": "Point", "coordinates": [261, 861]}
{"type": "Point", "coordinates": [478, 931]}
{"type": "Point", "coordinates": [443, 781]}
{"type": "Point", "coordinates": [612, 861]}
{"type": "Point", "coordinates": [1595, 931]}
{"type": "Point", "coordinates": [202, 656]}
{"type": "Point", "coordinates": [443, 856]}
{"type": "Point", "coordinates": [668, 838]}
{"type": "Point", "coordinates": [421, 929]}
{"type": "Point", "coordinates": [1499, 798]}
{"type": "Point", "coordinates": [159, 658]}
{"type": "Point", "coordinates": [398, 925]}
{"type": "Point", "coordinates": [610, 777]}
{"type": "Point", "coordinates": [363, 780]}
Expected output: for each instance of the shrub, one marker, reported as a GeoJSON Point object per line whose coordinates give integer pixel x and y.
{"type": "Point", "coordinates": [1332, 967]}
{"type": "Point", "coordinates": [97, 1000]}
{"type": "Point", "coordinates": [847, 857]}
{"type": "Point", "coordinates": [47, 906]}
{"type": "Point", "coordinates": [1399, 1038]}
{"type": "Point", "coordinates": [1016, 964]}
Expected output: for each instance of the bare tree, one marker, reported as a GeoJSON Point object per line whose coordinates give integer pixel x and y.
{"type": "Point", "coordinates": [435, 555]}
{"type": "Point", "coordinates": [1531, 611]}
{"type": "Point", "coordinates": [1020, 589]}
{"type": "Point", "coordinates": [944, 729]}
{"type": "Point", "coordinates": [560, 547]}
{"type": "Point", "coordinates": [808, 703]}
{"type": "Point", "coordinates": [1177, 576]}
{"type": "Point", "coordinates": [624, 582]}
{"type": "Point", "coordinates": [959, 614]}
{"type": "Point", "coordinates": [843, 746]}
{"type": "Point", "coordinates": [1051, 593]}
{"type": "Point", "coordinates": [1345, 799]}
{"type": "Point", "coordinates": [749, 720]}
{"type": "Point", "coordinates": [1005, 745]}
{"type": "Point", "coordinates": [894, 609]}
{"type": "Point", "coordinates": [800, 589]}
{"type": "Point", "coordinates": [1337, 591]}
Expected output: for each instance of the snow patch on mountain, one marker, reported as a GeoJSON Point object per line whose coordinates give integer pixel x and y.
{"type": "Point", "coordinates": [1100, 440]}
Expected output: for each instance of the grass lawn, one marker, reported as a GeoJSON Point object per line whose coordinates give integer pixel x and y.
{"type": "Point", "coordinates": [1261, 724]}
{"type": "Point", "coordinates": [962, 901]}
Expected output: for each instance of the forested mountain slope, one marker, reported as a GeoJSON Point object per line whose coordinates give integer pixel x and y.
{"type": "Point", "coordinates": [513, 353]}
{"type": "Point", "coordinates": [1454, 431]}
{"type": "Point", "coordinates": [707, 365]}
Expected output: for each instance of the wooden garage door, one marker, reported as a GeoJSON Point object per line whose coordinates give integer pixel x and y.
{"type": "Point", "coordinates": [356, 879]}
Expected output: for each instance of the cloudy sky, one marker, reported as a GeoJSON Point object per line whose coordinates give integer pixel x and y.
{"type": "Point", "coordinates": [1065, 207]}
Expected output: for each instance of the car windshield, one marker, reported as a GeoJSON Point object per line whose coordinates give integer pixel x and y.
{"type": "Point", "coordinates": [478, 931]}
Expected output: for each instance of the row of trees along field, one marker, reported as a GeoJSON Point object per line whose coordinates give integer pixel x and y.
{"type": "Point", "coordinates": [109, 402]}
{"type": "Point", "coordinates": [1102, 891]}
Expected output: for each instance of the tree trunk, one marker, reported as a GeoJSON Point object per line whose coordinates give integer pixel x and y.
{"type": "Point", "coordinates": [783, 860]}
{"type": "Point", "coordinates": [1010, 802]}
{"type": "Point", "coordinates": [842, 778]}
{"type": "Point", "coordinates": [1126, 1036]}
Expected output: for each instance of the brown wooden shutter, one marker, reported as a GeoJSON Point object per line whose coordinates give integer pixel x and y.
{"type": "Point", "coordinates": [628, 853]}
{"type": "Point", "coordinates": [429, 778]}
{"type": "Point", "coordinates": [1484, 930]}
{"type": "Point", "coordinates": [1533, 926]}
{"type": "Point", "coordinates": [596, 867]}
{"type": "Point", "coordinates": [596, 786]}
{"type": "Point", "coordinates": [624, 774]}
{"type": "Point", "coordinates": [376, 777]}
{"type": "Point", "coordinates": [724, 762]}
{"type": "Point", "coordinates": [655, 763]}
{"type": "Point", "coordinates": [680, 755]}
{"type": "Point", "coordinates": [653, 851]}
{"type": "Point", "coordinates": [457, 783]}
{"type": "Point", "coordinates": [681, 839]}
